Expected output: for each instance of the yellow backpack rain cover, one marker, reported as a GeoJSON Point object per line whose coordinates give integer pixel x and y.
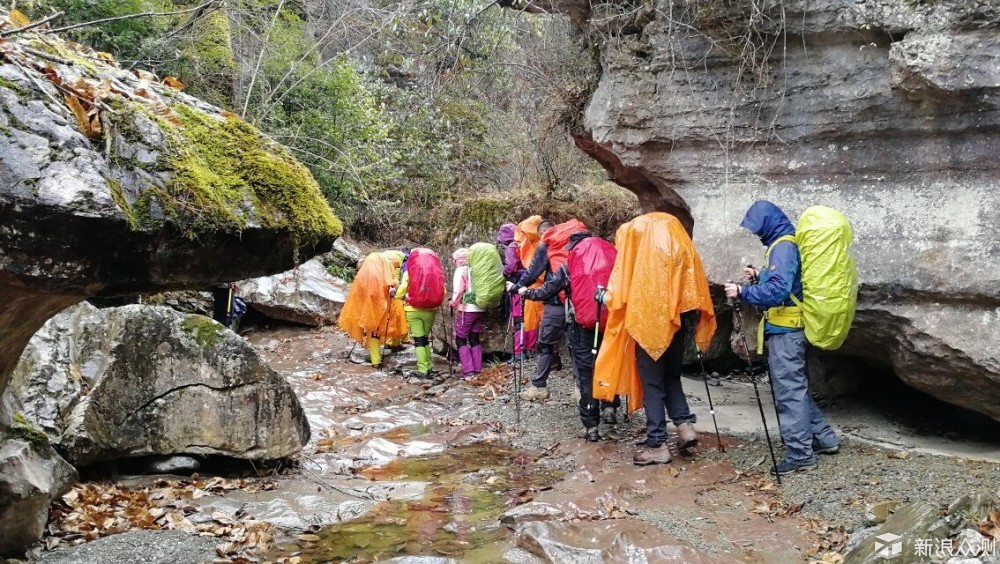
{"type": "Point", "coordinates": [829, 276]}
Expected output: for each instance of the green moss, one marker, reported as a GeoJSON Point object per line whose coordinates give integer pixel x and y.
{"type": "Point", "coordinates": [206, 332]}
{"type": "Point", "coordinates": [118, 195]}
{"type": "Point", "coordinates": [4, 83]}
{"type": "Point", "coordinates": [224, 170]}
{"type": "Point", "coordinates": [21, 428]}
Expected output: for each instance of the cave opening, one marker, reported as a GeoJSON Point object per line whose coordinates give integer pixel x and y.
{"type": "Point", "coordinates": [868, 400]}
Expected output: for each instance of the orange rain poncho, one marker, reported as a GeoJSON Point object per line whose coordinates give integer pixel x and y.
{"type": "Point", "coordinates": [397, 307]}
{"type": "Point", "coordinates": [657, 276]}
{"type": "Point", "coordinates": [527, 239]}
{"type": "Point", "coordinates": [368, 311]}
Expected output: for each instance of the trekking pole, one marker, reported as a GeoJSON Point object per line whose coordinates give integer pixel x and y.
{"type": "Point", "coordinates": [383, 337]}
{"type": "Point", "coordinates": [519, 373]}
{"type": "Point", "coordinates": [760, 405]}
{"type": "Point", "coordinates": [755, 279]}
{"type": "Point", "coordinates": [447, 341]}
{"type": "Point", "coordinates": [708, 392]}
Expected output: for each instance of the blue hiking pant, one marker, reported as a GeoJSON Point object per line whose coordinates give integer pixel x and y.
{"type": "Point", "coordinates": [802, 424]}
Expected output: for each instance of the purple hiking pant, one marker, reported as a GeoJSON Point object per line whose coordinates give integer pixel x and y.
{"type": "Point", "coordinates": [468, 329]}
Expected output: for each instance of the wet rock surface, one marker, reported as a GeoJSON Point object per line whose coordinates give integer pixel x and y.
{"type": "Point", "coordinates": [307, 295]}
{"type": "Point", "coordinates": [143, 380]}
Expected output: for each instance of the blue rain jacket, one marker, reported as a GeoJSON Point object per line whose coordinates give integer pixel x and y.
{"type": "Point", "coordinates": [782, 275]}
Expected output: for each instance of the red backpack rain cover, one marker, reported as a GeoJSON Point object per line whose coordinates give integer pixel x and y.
{"type": "Point", "coordinates": [557, 238]}
{"type": "Point", "coordinates": [426, 288]}
{"type": "Point", "coordinates": [589, 266]}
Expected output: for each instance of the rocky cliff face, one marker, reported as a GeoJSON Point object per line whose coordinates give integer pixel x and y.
{"type": "Point", "coordinates": [888, 110]}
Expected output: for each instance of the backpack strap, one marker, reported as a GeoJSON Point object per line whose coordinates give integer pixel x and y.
{"type": "Point", "coordinates": [767, 253]}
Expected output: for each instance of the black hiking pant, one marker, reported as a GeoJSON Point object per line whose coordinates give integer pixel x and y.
{"type": "Point", "coordinates": [580, 341]}
{"type": "Point", "coordinates": [550, 332]}
{"type": "Point", "coordinates": [662, 393]}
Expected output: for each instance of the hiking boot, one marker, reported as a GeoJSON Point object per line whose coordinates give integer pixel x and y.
{"type": "Point", "coordinates": [534, 393]}
{"type": "Point", "coordinates": [819, 449]}
{"type": "Point", "coordinates": [652, 455]}
{"type": "Point", "coordinates": [687, 436]}
{"type": "Point", "coordinates": [609, 416]}
{"type": "Point", "coordinates": [785, 468]}
{"type": "Point", "coordinates": [592, 435]}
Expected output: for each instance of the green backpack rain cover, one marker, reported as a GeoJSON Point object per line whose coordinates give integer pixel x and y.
{"type": "Point", "coordinates": [829, 276]}
{"type": "Point", "coordinates": [486, 275]}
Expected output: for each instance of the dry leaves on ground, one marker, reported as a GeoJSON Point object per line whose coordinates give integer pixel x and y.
{"type": "Point", "coordinates": [93, 510]}
{"type": "Point", "coordinates": [832, 540]}
{"type": "Point", "coordinates": [990, 526]}
{"type": "Point", "coordinates": [494, 378]}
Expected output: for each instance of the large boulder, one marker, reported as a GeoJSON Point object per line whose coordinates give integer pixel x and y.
{"type": "Point", "coordinates": [31, 476]}
{"type": "Point", "coordinates": [884, 109]}
{"type": "Point", "coordinates": [142, 380]}
{"type": "Point", "coordinates": [307, 295]}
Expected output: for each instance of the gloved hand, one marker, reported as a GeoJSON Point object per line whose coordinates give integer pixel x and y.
{"type": "Point", "coordinates": [521, 291]}
{"type": "Point", "coordinates": [732, 291]}
{"type": "Point", "coordinates": [602, 295]}
{"type": "Point", "coordinates": [510, 286]}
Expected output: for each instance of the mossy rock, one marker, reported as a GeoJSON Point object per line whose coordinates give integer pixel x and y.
{"type": "Point", "coordinates": [21, 428]}
{"type": "Point", "coordinates": [206, 332]}
{"type": "Point", "coordinates": [226, 176]}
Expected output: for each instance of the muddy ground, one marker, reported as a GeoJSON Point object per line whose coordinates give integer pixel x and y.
{"type": "Point", "coordinates": [400, 469]}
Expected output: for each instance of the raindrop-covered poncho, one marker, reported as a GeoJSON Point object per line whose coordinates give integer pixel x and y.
{"type": "Point", "coordinates": [527, 239]}
{"type": "Point", "coordinates": [657, 276]}
{"type": "Point", "coordinates": [369, 310]}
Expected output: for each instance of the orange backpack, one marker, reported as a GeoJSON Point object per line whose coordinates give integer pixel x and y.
{"type": "Point", "coordinates": [557, 239]}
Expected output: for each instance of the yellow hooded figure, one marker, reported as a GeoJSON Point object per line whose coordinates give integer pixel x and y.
{"type": "Point", "coordinates": [369, 313]}
{"type": "Point", "coordinates": [657, 276]}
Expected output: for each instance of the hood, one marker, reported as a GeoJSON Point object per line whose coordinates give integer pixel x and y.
{"type": "Point", "coordinates": [767, 221]}
{"type": "Point", "coordinates": [506, 234]}
{"type": "Point", "coordinates": [575, 238]}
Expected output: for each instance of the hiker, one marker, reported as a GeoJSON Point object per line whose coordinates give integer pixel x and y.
{"type": "Point", "coordinates": [512, 270]}
{"type": "Point", "coordinates": [657, 288]}
{"type": "Point", "coordinates": [469, 319]}
{"type": "Point", "coordinates": [369, 314]}
{"type": "Point", "coordinates": [422, 291]}
{"type": "Point", "coordinates": [527, 239]}
{"type": "Point", "coordinates": [778, 285]}
{"type": "Point", "coordinates": [227, 309]}
{"type": "Point", "coordinates": [587, 268]}
{"type": "Point", "coordinates": [553, 322]}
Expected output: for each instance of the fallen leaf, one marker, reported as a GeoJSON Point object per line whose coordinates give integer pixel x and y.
{"type": "Point", "coordinates": [173, 83]}
{"type": "Point", "coordinates": [18, 18]}
{"type": "Point", "coordinates": [898, 454]}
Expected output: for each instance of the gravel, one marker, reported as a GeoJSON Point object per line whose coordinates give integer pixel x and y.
{"type": "Point", "coordinates": [148, 547]}
{"type": "Point", "coordinates": [839, 491]}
